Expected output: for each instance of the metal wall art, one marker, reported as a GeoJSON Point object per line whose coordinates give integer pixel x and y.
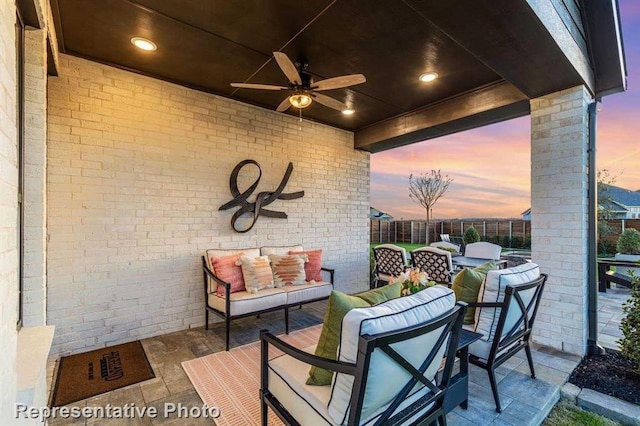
{"type": "Point", "coordinates": [263, 199]}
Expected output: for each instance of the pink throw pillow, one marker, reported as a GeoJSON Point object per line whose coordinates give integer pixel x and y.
{"type": "Point", "coordinates": [312, 267]}
{"type": "Point", "coordinates": [226, 269]}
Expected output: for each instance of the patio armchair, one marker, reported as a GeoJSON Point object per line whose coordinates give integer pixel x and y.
{"type": "Point", "coordinates": [505, 318]}
{"type": "Point", "coordinates": [390, 261]}
{"type": "Point", "coordinates": [435, 262]}
{"type": "Point", "coordinates": [483, 250]}
{"type": "Point", "coordinates": [387, 367]}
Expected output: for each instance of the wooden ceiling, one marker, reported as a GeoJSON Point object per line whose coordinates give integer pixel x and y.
{"type": "Point", "coordinates": [206, 45]}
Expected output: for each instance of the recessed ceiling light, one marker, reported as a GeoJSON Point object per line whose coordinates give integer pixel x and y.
{"type": "Point", "coordinates": [428, 76]}
{"type": "Point", "coordinates": [143, 43]}
{"type": "Point", "coordinates": [348, 111]}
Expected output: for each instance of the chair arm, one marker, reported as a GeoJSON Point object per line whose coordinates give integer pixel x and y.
{"type": "Point", "coordinates": [218, 281]}
{"type": "Point", "coordinates": [317, 361]}
{"type": "Point", "coordinates": [485, 305]}
{"type": "Point", "coordinates": [330, 271]}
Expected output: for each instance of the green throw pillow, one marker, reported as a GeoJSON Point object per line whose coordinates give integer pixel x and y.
{"type": "Point", "coordinates": [381, 294]}
{"type": "Point", "coordinates": [466, 285]}
{"type": "Point", "coordinates": [338, 306]}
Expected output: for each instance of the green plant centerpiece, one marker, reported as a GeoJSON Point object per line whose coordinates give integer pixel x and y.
{"type": "Point", "coordinates": [630, 324]}
{"type": "Point", "coordinates": [471, 235]}
{"type": "Point", "coordinates": [413, 280]}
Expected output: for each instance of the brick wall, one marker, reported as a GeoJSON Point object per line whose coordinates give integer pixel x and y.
{"type": "Point", "coordinates": [137, 169]}
{"type": "Point", "coordinates": [8, 211]}
{"type": "Point", "coordinates": [35, 151]}
{"type": "Point", "coordinates": [559, 140]}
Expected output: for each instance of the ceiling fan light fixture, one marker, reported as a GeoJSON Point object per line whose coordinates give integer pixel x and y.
{"type": "Point", "coordinates": [300, 100]}
{"type": "Point", "coordinates": [143, 43]}
{"type": "Point", "coordinates": [428, 76]}
{"type": "Point", "coordinates": [348, 111]}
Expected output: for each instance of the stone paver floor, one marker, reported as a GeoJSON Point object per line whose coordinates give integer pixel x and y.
{"type": "Point", "coordinates": [610, 315]}
{"type": "Point", "coordinates": [525, 401]}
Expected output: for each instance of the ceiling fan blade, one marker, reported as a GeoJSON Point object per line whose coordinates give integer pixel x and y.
{"type": "Point", "coordinates": [329, 102]}
{"type": "Point", "coordinates": [284, 105]}
{"type": "Point", "coordinates": [287, 67]}
{"type": "Point", "coordinates": [339, 82]}
{"type": "Point", "coordinates": [258, 86]}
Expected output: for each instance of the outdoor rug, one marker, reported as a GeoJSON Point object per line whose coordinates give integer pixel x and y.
{"type": "Point", "coordinates": [231, 380]}
{"type": "Point", "coordinates": [91, 373]}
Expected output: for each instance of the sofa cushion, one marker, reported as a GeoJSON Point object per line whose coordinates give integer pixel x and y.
{"type": "Point", "coordinates": [211, 254]}
{"type": "Point", "coordinates": [311, 291]}
{"type": "Point", "coordinates": [281, 250]}
{"type": "Point", "coordinates": [383, 373]}
{"type": "Point", "coordinates": [256, 272]}
{"type": "Point", "coordinates": [226, 269]}
{"type": "Point", "coordinates": [244, 302]}
{"type": "Point", "coordinates": [288, 270]}
{"type": "Point", "coordinates": [313, 266]}
{"type": "Point", "coordinates": [493, 291]}
{"type": "Point", "coordinates": [339, 304]}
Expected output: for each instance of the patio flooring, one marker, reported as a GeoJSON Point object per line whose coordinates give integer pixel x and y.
{"type": "Point", "coordinates": [610, 315]}
{"type": "Point", "coordinates": [525, 401]}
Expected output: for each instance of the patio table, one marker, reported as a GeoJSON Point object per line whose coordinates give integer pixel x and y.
{"type": "Point", "coordinates": [460, 262]}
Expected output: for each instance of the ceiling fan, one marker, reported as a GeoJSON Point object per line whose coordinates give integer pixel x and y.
{"type": "Point", "coordinates": [304, 88]}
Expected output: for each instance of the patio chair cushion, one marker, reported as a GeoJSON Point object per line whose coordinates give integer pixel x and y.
{"type": "Point", "coordinates": [281, 250]}
{"type": "Point", "coordinates": [288, 270]}
{"type": "Point", "coordinates": [493, 291]}
{"type": "Point", "coordinates": [385, 377]}
{"type": "Point", "coordinates": [215, 253]}
{"type": "Point", "coordinates": [313, 266]}
{"type": "Point", "coordinates": [256, 272]}
{"type": "Point", "coordinates": [483, 250]}
{"type": "Point", "coordinates": [467, 284]}
{"type": "Point", "coordinates": [338, 306]}
{"type": "Point", "coordinates": [244, 302]}
{"type": "Point", "coordinates": [226, 269]}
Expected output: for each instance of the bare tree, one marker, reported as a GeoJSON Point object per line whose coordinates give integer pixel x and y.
{"type": "Point", "coordinates": [426, 189]}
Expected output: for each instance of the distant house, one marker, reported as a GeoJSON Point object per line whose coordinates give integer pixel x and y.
{"type": "Point", "coordinates": [377, 214]}
{"type": "Point", "coordinates": [620, 202]}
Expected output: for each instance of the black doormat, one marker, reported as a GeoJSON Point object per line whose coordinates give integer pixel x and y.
{"type": "Point", "coordinates": [91, 373]}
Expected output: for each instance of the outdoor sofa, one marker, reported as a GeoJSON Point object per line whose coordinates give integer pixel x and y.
{"type": "Point", "coordinates": [232, 305]}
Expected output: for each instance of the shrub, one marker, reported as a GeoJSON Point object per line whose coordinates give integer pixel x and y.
{"type": "Point", "coordinates": [471, 235]}
{"type": "Point", "coordinates": [630, 324]}
{"type": "Point", "coordinates": [629, 242]}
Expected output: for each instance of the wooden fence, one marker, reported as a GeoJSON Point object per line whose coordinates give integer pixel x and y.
{"type": "Point", "coordinates": [514, 233]}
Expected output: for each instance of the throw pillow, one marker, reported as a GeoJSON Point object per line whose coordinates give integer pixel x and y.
{"type": "Point", "coordinates": [256, 272]}
{"type": "Point", "coordinates": [288, 270]}
{"type": "Point", "coordinates": [466, 285]}
{"type": "Point", "coordinates": [338, 306]}
{"type": "Point", "coordinates": [381, 294]}
{"type": "Point", "coordinates": [226, 269]}
{"type": "Point", "coordinates": [312, 267]}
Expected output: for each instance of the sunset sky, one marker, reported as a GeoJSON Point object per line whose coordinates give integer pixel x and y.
{"type": "Point", "coordinates": [491, 165]}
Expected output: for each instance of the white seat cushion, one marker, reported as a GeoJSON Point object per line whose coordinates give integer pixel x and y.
{"type": "Point", "coordinates": [307, 404]}
{"type": "Point", "coordinates": [302, 293]}
{"type": "Point", "coordinates": [483, 250]}
{"type": "Point", "coordinates": [279, 250]}
{"type": "Point", "coordinates": [385, 377]}
{"type": "Point", "coordinates": [244, 302]}
{"type": "Point", "coordinates": [493, 291]}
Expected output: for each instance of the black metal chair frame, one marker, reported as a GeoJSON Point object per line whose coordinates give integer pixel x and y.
{"type": "Point", "coordinates": [451, 323]}
{"type": "Point", "coordinates": [207, 273]}
{"type": "Point", "coordinates": [514, 339]}
{"type": "Point", "coordinates": [377, 270]}
{"type": "Point", "coordinates": [606, 277]}
{"type": "Point", "coordinates": [419, 260]}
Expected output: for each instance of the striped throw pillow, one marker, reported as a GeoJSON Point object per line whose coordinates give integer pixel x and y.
{"type": "Point", "coordinates": [256, 272]}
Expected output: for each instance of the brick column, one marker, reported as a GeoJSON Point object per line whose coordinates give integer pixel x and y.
{"type": "Point", "coordinates": [559, 182]}
{"type": "Point", "coordinates": [35, 179]}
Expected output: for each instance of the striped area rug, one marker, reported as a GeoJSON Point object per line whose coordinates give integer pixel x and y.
{"type": "Point", "coordinates": [231, 380]}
